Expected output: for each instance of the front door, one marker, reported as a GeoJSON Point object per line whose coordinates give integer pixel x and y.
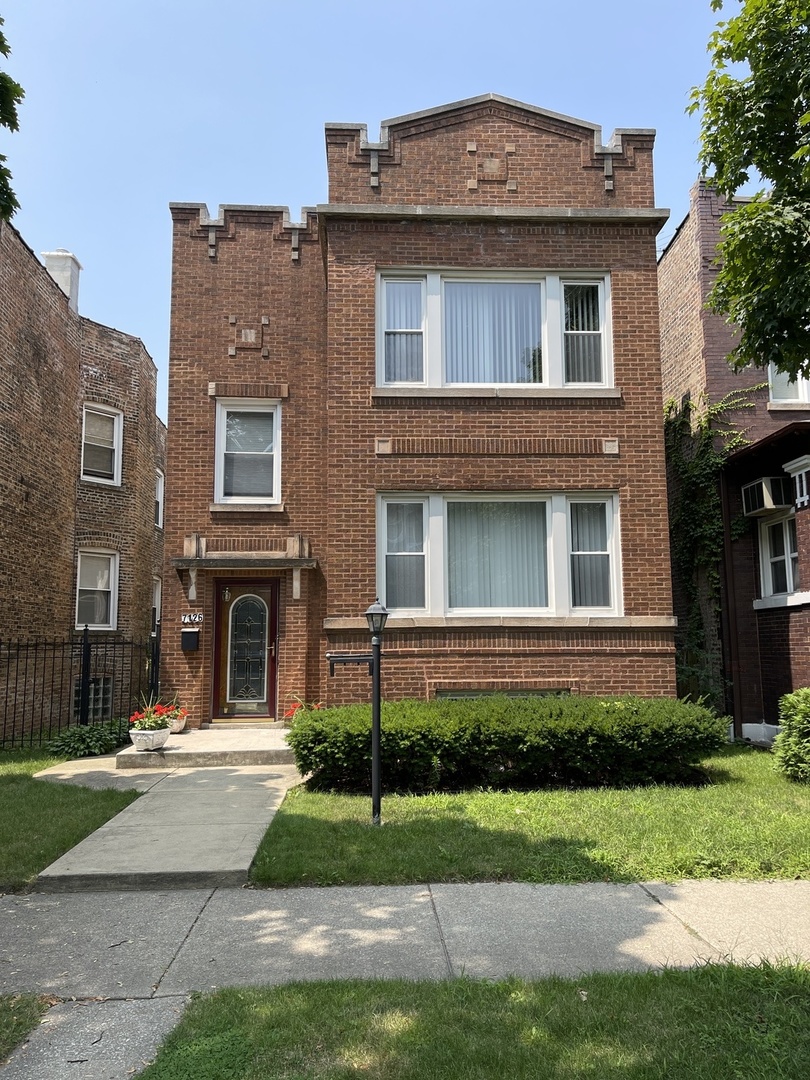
{"type": "Point", "coordinates": [245, 662]}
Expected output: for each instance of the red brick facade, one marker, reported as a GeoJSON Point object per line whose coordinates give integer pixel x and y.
{"type": "Point", "coordinates": [267, 311]}
{"type": "Point", "coordinates": [53, 362]}
{"type": "Point", "coordinates": [765, 642]}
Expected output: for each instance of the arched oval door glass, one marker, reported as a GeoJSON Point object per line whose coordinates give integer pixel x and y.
{"type": "Point", "coordinates": [247, 655]}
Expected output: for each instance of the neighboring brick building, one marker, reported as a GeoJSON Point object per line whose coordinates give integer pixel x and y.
{"type": "Point", "coordinates": [82, 456]}
{"type": "Point", "coordinates": [765, 625]}
{"type": "Point", "coordinates": [442, 388]}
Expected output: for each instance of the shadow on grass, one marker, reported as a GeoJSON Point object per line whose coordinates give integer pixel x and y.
{"type": "Point", "coordinates": [440, 844]}
{"type": "Point", "coordinates": [685, 1025]}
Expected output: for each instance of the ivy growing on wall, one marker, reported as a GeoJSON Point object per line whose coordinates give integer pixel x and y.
{"type": "Point", "coordinates": [700, 435]}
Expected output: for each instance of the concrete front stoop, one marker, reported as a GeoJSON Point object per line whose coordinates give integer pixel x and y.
{"type": "Point", "coordinates": [213, 747]}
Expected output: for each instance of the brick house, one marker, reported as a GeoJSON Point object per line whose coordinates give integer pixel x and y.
{"type": "Point", "coordinates": [443, 388]}
{"type": "Point", "coordinates": [764, 628]}
{"type": "Point", "coordinates": [83, 457]}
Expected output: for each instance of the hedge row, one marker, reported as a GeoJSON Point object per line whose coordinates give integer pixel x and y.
{"type": "Point", "coordinates": [502, 742]}
{"type": "Point", "coordinates": [792, 746]}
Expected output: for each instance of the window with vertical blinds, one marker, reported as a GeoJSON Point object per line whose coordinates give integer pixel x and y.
{"type": "Point", "coordinates": [541, 554]}
{"type": "Point", "coordinates": [443, 329]}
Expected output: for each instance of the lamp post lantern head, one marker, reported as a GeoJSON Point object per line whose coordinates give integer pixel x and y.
{"type": "Point", "coordinates": [377, 616]}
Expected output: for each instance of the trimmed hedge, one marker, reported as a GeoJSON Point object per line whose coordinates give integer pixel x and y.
{"type": "Point", "coordinates": [791, 747]}
{"type": "Point", "coordinates": [501, 742]}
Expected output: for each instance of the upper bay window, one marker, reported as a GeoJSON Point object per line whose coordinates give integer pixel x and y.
{"type": "Point", "coordinates": [508, 554]}
{"type": "Point", "coordinates": [447, 329]}
{"type": "Point", "coordinates": [101, 444]}
{"type": "Point", "coordinates": [248, 452]}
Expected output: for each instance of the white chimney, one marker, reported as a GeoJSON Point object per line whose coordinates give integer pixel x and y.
{"type": "Point", "coordinates": [64, 268]}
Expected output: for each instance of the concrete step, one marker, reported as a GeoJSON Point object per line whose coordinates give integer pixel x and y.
{"type": "Point", "coordinates": [213, 748]}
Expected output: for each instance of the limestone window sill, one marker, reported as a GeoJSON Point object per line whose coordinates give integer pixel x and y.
{"type": "Point", "coordinates": [247, 508]}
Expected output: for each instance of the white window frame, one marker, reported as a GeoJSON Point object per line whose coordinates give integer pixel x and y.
{"type": "Point", "coordinates": [558, 552]}
{"type": "Point", "coordinates": [118, 442]}
{"type": "Point", "coordinates": [160, 488]}
{"type": "Point", "coordinates": [114, 565]}
{"type": "Point", "coordinates": [552, 325]}
{"type": "Point", "coordinates": [765, 567]}
{"type": "Point", "coordinates": [801, 397]}
{"type": "Point", "coordinates": [262, 405]}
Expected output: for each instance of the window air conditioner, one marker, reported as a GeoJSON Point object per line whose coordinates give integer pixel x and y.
{"type": "Point", "coordinates": [767, 494]}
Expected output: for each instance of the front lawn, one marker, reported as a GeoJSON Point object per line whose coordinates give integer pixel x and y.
{"type": "Point", "coordinates": [747, 822]}
{"type": "Point", "coordinates": [734, 1023]}
{"type": "Point", "coordinates": [40, 820]}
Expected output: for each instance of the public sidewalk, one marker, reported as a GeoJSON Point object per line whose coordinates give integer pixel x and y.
{"type": "Point", "coordinates": [125, 962]}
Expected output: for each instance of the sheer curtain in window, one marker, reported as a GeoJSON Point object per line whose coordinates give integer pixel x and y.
{"type": "Point", "coordinates": [492, 332]}
{"type": "Point", "coordinates": [496, 554]}
{"type": "Point", "coordinates": [403, 331]}
{"type": "Point", "coordinates": [405, 555]}
{"type": "Point", "coordinates": [583, 336]}
{"type": "Point", "coordinates": [590, 559]}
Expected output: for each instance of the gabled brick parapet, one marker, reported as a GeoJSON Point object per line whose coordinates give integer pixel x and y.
{"type": "Point", "coordinates": [494, 151]}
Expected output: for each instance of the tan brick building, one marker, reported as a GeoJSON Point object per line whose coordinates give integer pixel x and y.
{"type": "Point", "coordinates": [442, 388]}
{"type": "Point", "coordinates": [764, 631]}
{"type": "Point", "coordinates": [83, 457]}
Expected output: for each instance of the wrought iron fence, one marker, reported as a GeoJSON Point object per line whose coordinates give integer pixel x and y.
{"type": "Point", "coordinates": [45, 686]}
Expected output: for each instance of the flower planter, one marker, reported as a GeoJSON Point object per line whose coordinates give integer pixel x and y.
{"type": "Point", "coordinates": [149, 740]}
{"type": "Point", "coordinates": [178, 723]}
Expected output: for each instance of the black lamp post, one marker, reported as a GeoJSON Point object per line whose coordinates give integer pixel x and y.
{"type": "Point", "coordinates": [377, 617]}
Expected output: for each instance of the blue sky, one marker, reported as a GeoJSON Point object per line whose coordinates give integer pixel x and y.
{"type": "Point", "coordinates": [132, 104]}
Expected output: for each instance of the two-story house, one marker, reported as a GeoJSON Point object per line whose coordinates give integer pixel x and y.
{"type": "Point", "coordinates": [81, 491]}
{"type": "Point", "coordinates": [763, 627]}
{"type": "Point", "coordinates": [441, 388]}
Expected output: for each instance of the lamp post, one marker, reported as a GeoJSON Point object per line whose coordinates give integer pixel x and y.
{"type": "Point", "coordinates": [377, 617]}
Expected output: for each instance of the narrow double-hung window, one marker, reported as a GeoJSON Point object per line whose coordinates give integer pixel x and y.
{"type": "Point", "coordinates": [404, 336]}
{"type": "Point", "coordinates": [782, 557]}
{"type": "Point", "coordinates": [405, 554]}
{"type": "Point", "coordinates": [247, 466]}
{"type": "Point", "coordinates": [582, 332]}
{"type": "Point", "coordinates": [101, 445]}
{"type": "Point", "coordinates": [492, 332]}
{"type": "Point", "coordinates": [96, 592]}
{"type": "Point", "coordinates": [590, 555]}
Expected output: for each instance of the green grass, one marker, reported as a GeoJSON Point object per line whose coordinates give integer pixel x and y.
{"type": "Point", "coordinates": [39, 821]}
{"type": "Point", "coordinates": [747, 822]}
{"type": "Point", "coordinates": [711, 1023]}
{"type": "Point", "coordinates": [19, 1014]}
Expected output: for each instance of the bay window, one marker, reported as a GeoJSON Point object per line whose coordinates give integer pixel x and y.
{"type": "Point", "coordinates": [454, 329]}
{"type": "Point", "coordinates": [451, 554]}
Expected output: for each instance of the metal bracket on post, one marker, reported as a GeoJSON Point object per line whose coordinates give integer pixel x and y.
{"type": "Point", "coordinates": [349, 658]}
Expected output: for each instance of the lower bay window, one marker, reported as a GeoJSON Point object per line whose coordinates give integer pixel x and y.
{"type": "Point", "coordinates": [550, 554]}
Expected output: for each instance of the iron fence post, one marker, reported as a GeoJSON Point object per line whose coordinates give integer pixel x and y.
{"type": "Point", "coordinates": [84, 693]}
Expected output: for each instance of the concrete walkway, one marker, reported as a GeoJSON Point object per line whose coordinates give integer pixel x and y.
{"type": "Point", "coordinates": [124, 963]}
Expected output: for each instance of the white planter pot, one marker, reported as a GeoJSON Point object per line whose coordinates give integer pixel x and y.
{"type": "Point", "coordinates": [178, 724]}
{"type": "Point", "coordinates": [149, 740]}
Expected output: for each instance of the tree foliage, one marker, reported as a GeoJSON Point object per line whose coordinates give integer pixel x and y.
{"type": "Point", "coordinates": [11, 94]}
{"type": "Point", "coordinates": [755, 121]}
